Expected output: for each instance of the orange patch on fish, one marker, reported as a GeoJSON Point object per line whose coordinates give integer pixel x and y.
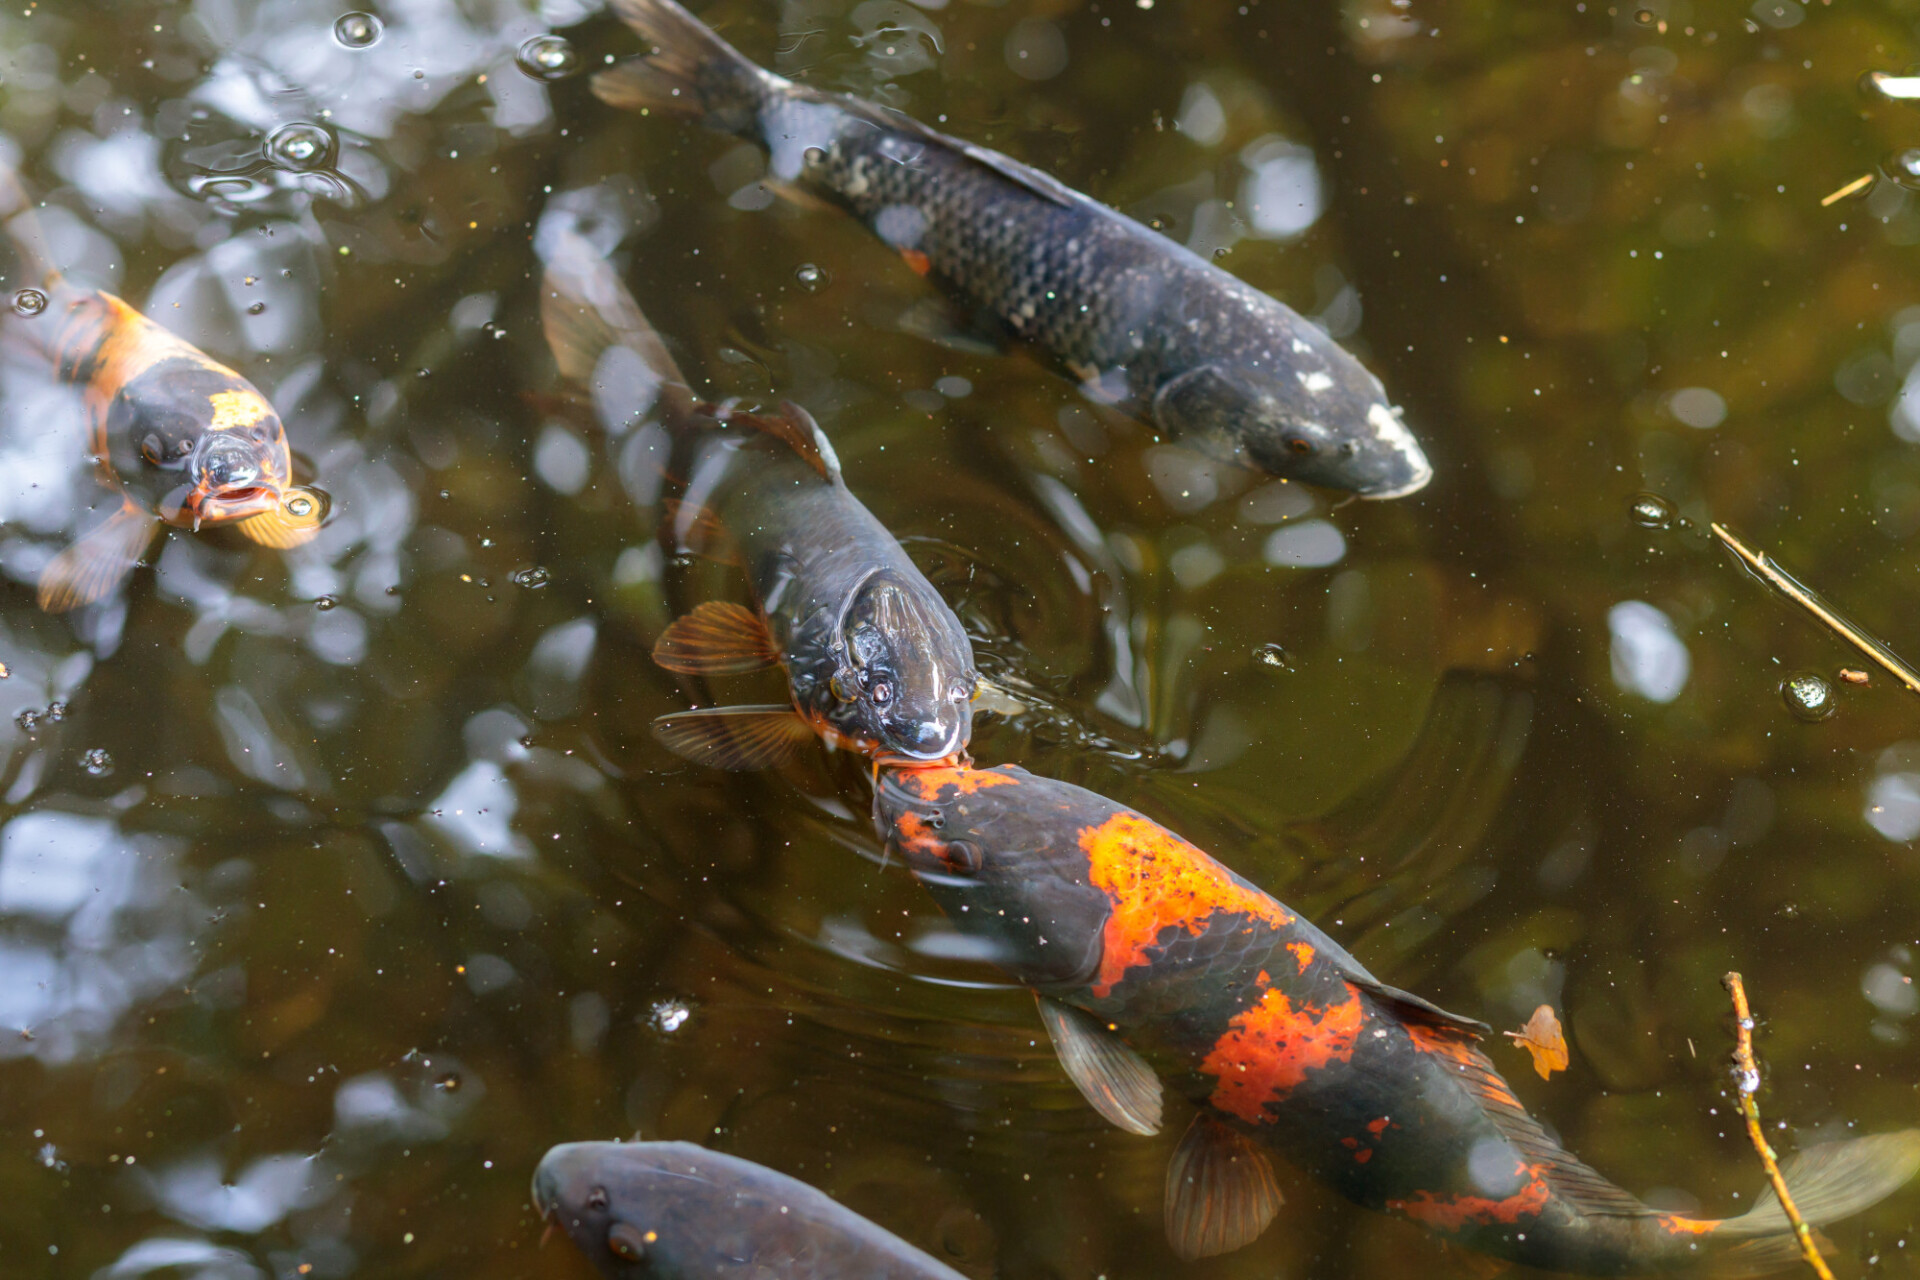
{"type": "Point", "coordinates": [1451, 1213]}
{"type": "Point", "coordinates": [919, 261]}
{"type": "Point", "coordinates": [1303, 952]}
{"type": "Point", "coordinates": [1269, 1049]}
{"type": "Point", "coordinates": [1156, 881]}
{"type": "Point", "coordinates": [915, 834]}
{"type": "Point", "coordinates": [1678, 1226]}
{"type": "Point", "coordinates": [927, 782]}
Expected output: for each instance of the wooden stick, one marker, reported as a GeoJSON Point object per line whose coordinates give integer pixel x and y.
{"type": "Point", "coordinates": [1747, 1080]}
{"type": "Point", "coordinates": [1816, 604]}
{"type": "Point", "coordinates": [1864, 180]}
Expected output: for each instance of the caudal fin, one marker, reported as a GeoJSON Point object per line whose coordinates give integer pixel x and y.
{"type": "Point", "coordinates": [1829, 1182]}
{"type": "Point", "coordinates": [689, 71]}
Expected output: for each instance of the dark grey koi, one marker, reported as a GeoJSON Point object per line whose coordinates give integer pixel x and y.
{"type": "Point", "coordinates": [674, 1211]}
{"type": "Point", "coordinates": [875, 660]}
{"type": "Point", "coordinates": [1144, 322]}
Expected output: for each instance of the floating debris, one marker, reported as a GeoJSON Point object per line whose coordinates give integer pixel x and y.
{"type": "Point", "coordinates": [357, 30]}
{"type": "Point", "coordinates": [1851, 676]}
{"type": "Point", "coordinates": [1855, 187]}
{"type": "Point", "coordinates": [668, 1016]}
{"type": "Point", "coordinates": [1808, 696]}
{"type": "Point", "coordinates": [1810, 600]}
{"type": "Point", "coordinates": [1887, 85]}
{"type": "Point", "coordinates": [1650, 511]}
{"type": "Point", "coordinates": [1543, 1039]}
{"type": "Point", "coordinates": [1273, 655]}
{"type": "Point", "coordinates": [1746, 1074]}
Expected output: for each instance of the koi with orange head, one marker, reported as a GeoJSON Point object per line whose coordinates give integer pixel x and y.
{"type": "Point", "coordinates": [179, 438]}
{"type": "Point", "coordinates": [876, 661]}
{"type": "Point", "coordinates": [1147, 955]}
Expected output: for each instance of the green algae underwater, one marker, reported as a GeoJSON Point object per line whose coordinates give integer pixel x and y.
{"type": "Point", "coordinates": [337, 884]}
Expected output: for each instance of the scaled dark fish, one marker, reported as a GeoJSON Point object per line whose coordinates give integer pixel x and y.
{"type": "Point", "coordinates": [178, 437]}
{"type": "Point", "coordinates": [1138, 943]}
{"type": "Point", "coordinates": [673, 1211]}
{"type": "Point", "coordinates": [875, 660]}
{"type": "Point", "coordinates": [1144, 322]}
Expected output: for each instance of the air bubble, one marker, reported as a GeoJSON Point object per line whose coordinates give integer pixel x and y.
{"type": "Point", "coordinates": [532, 579]}
{"type": "Point", "coordinates": [1644, 17]}
{"type": "Point", "coordinates": [97, 762]}
{"type": "Point", "coordinates": [257, 309]}
{"type": "Point", "coordinates": [29, 302]}
{"type": "Point", "coordinates": [1904, 168]}
{"type": "Point", "coordinates": [300, 146]}
{"type": "Point", "coordinates": [548, 57]}
{"type": "Point", "coordinates": [1808, 696]}
{"type": "Point", "coordinates": [1273, 655]}
{"type": "Point", "coordinates": [1650, 511]}
{"type": "Point", "coordinates": [28, 719]}
{"type": "Point", "coordinates": [811, 278]}
{"type": "Point", "coordinates": [448, 1083]}
{"type": "Point", "coordinates": [357, 30]}
{"type": "Point", "coordinates": [324, 603]}
{"type": "Point", "coordinates": [306, 503]}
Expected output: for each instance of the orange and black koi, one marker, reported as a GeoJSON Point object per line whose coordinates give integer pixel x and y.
{"type": "Point", "coordinates": [1138, 943]}
{"type": "Point", "coordinates": [876, 661]}
{"type": "Point", "coordinates": [180, 438]}
{"type": "Point", "coordinates": [674, 1211]}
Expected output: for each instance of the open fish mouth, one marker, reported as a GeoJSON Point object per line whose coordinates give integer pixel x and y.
{"type": "Point", "coordinates": [235, 504]}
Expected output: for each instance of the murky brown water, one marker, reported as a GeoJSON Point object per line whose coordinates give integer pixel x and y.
{"type": "Point", "coordinates": [381, 886]}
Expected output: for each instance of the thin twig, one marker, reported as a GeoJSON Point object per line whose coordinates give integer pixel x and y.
{"type": "Point", "coordinates": [1864, 180]}
{"type": "Point", "coordinates": [1816, 604]}
{"type": "Point", "coordinates": [1748, 1083]}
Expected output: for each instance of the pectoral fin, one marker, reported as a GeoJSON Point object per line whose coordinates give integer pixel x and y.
{"type": "Point", "coordinates": [717, 639]}
{"type": "Point", "coordinates": [1417, 1009]}
{"type": "Point", "coordinates": [1115, 1080]}
{"type": "Point", "coordinates": [737, 738]}
{"type": "Point", "coordinates": [98, 560]}
{"type": "Point", "coordinates": [1221, 1192]}
{"type": "Point", "coordinates": [699, 531]}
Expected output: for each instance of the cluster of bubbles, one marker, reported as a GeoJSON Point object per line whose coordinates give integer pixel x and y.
{"type": "Point", "coordinates": [29, 719]}
{"type": "Point", "coordinates": [532, 579]}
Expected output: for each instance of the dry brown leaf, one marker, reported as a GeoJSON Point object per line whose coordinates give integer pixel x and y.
{"type": "Point", "coordinates": [1542, 1038]}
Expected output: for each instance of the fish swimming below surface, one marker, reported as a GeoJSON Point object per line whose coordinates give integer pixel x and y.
{"type": "Point", "coordinates": [675, 1211]}
{"type": "Point", "coordinates": [178, 438]}
{"type": "Point", "coordinates": [876, 662]}
{"type": "Point", "coordinates": [1142, 321]}
{"type": "Point", "coordinates": [1139, 945]}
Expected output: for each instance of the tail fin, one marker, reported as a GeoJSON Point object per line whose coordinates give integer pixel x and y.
{"type": "Point", "coordinates": [1833, 1181]}
{"type": "Point", "coordinates": [585, 309]}
{"type": "Point", "coordinates": [690, 70]}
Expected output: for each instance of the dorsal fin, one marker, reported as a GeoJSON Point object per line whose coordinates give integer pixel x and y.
{"type": "Point", "coordinates": [1044, 185]}
{"type": "Point", "coordinates": [795, 428]}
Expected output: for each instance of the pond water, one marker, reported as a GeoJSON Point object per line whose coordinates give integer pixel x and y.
{"type": "Point", "coordinates": [337, 884]}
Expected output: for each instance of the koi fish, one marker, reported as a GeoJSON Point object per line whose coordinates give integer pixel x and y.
{"type": "Point", "coordinates": [875, 660]}
{"type": "Point", "coordinates": [1136, 943]}
{"type": "Point", "coordinates": [178, 437]}
{"type": "Point", "coordinates": [675, 1211]}
{"type": "Point", "coordinates": [1144, 322]}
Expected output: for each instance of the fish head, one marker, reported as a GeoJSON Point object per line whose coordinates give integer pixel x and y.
{"type": "Point", "coordinates": [607, 1197]}
{"type": "Point", "coordinates": [999, 850]}
{"type": "Point", "coordinates": [1326, 423]}
{"type": "Point", "coordinates": [904, 677]}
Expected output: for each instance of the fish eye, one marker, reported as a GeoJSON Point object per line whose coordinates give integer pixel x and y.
{"type": "Point", "coordinates": [963, 858]}
{"type": "Point", "coordinates": [965, 689]}
{"type": "Point", "coordinates": [1300, 444]}
{"type": "Point", "coordinates": [629, 1244]}
{"type": "Point", "coordinates": [153, 449]}
{"type": "Point", "coordinates": [597, 1198]}
{"type": "Point", "coordinates": [843, 686]}
{"type": "Point", "coordinates": [882, 693]}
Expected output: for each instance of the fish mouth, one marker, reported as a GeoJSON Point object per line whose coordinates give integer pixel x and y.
{"type": "Point", "coordinates": [1398, 453]}
{"type": "Point", "coordinates": [236, 504]}
{"type": "Point", "coordinates": [1414, 484]}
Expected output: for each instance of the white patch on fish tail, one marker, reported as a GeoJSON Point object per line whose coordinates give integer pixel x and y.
{"type": "Point", "coordinates": [1315, 382]}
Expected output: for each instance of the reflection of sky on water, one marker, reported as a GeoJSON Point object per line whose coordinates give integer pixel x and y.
{"type": "Point", "coordinates": [92, 922]}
